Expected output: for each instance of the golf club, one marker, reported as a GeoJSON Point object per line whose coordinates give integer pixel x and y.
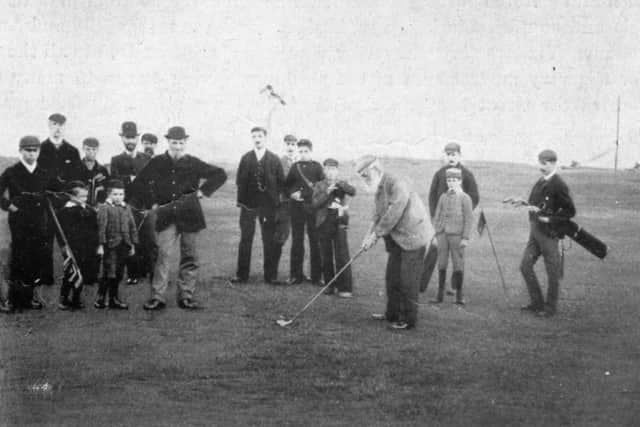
{"type": "Point", "coordinates": [286, 322]}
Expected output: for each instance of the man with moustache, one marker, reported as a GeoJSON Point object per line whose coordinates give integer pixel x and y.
{"type": "Point", "coordinates": [125, 167]}
{"type": "Point", "coordinates": [453, 157]}
{"type": "Point", "coordinates": [149, 143]}
{"type": "Point", "coordinates": [61, 161]}
{"type": "Point", "coordinates": [400, 218]}
{"type": "Point", "coordinates": [260, 182]}
{"type": "Point", "coordinates": [176, 181]}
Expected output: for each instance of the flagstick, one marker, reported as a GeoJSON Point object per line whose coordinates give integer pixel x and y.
{"type": "Point", "coordinates": [495, 255]}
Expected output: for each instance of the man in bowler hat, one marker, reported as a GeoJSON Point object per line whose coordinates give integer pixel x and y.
{"type": "Point", "coordinates": [260, 182]}
{"type": "Point", "coordinates": [174, 181]}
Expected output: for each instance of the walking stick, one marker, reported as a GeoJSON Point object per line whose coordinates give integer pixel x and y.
{"type": "Point", "coordinates": [287, 322]}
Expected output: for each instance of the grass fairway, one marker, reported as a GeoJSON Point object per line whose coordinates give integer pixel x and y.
{"type": "Point", "coordinates": [231, 365]}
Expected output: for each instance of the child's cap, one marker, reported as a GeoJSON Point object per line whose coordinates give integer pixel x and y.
{"type": "Point", "coordinates": [330, 162]}
{"type": "Point", "coordinates": [91, 142]}
{"type": "Point", "coordinates": [547, 156]}
{"type": "Point", "coordinates": [452, 147]}
{"type": "Point", "coordinates": [453, 173]}
{"type": "Point", "coordinates": [29, 141]}
{"type": "Point", "coordinates": [149, 137]}
{"type": "Point", "coordinates": [115, 183]}
{"type": "Point", "coordinates": [305, 143]}
{"type": "Point", "coordinates": [290, 138]}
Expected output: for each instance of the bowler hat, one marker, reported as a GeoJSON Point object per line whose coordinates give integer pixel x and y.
{"type": "Point", "coordinates": [176, 132]}
{"type": "Point", "coordinates": [91, 142]}
{"type": "Point", "coordinates": [330, 162]}
{"type": "Point", "coordinates": [29, 141]}
{"type": "Point", "coordinates": [452, 147]}
{"type": "Point", "coordinates": [57, 118]}
{"type": "Point", "coordinates": [149, 137]}
{"type": "Point", "coordinates": [129, 130]}
{"type": "Point", "coordinates": [547, 156]}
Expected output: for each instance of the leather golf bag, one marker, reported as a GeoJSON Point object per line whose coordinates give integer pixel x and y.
{"type": "Point", "coordinates": [585, 239]}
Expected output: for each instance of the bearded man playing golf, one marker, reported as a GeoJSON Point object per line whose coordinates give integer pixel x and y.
{"type": "Point", "coordinates": [400, 218]}
{"type": "Point", "coordinates": [173, 180]}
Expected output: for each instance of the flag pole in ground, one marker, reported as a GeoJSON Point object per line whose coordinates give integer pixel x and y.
{"type": "Point", "coordinates": [69, 264]}
{"type": "Point", "coordinates": [482, 224]}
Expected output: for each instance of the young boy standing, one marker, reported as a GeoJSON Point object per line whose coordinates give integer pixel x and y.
{"type": "Point", "coordinates": [299, 186]}
{"type": "Point", "coordinates": [117, 235]}
{"type": "Point", "coordinates": [80, 226]}
{"type": "Point", "coordinates": [332, 220]}
{"type": "Point", "coordinates": [452, 222]}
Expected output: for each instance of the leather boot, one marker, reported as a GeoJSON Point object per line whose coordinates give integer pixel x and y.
{"type": "Point", "coordinates": [456, 281]}
{"type": "Point", "coordinates": [114, 301]}
{"type": "Point", "coordinates": [442, 279]}
{"type": "Point", "coordinates": [102, 293]}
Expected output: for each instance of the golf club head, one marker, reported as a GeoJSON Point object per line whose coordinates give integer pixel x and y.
{"type": "Point", "coordinates": [283, 322]}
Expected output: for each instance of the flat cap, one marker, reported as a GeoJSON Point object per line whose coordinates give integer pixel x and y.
{"type": "Point", "coordinates": [91, 142]}
{"type": "Point", "coordinates": [114, 183]}
{"type": "Point", "coordinates": [29, 141]}
{"type": "Point", "coordinates": [452, 147]}
{"type": "Point", "coordinates": [453, 173]}
{"type": "Point", "coordinates": [547, 156]}
{"type": "Point", "coordinates": [57, 118]}
{"type": "Point", "coordinates": [364, 162]}
{"type": "Point", "coordinates": [330, 162]}
{"type": "Point", "coordinates": [290, 137]}
{"type": "Point", "coordinates": [75, 184]}
{"type": "Point", "coordinates": [305, 143]}
{"type": "Point", "coordinates": [149, 137]}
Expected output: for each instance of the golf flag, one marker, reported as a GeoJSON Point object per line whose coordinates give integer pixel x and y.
{"type": "Point", "coordinates": [71, 272]}
{"type": "Point", "coordinates": [482, 223]}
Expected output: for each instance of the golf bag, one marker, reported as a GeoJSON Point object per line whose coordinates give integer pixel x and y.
{"type": "Point", "coordinates": [585, 239]}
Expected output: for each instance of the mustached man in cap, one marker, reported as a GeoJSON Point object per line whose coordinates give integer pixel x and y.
{"type": "Point", "coordinates": [400, 218]}
{"type": "Point", "coordinates": [62, 161]}
{"type": "Point", "coordinates": [550, 204]}
{"type": "Point", "coordinates": [149, 143]}
{"type": "Point", "coordinates": [260, 182]}
{"type": "Point", "coordinates": [330, 201]}
{"type": "Point", "coordinates": [453, 156]}
{"type": "Point", "coordinates": [21, 194]}
{"type": "Point", "coordinates": [125, 167]}
{"type": "Point", "coordinates": [174, 181]}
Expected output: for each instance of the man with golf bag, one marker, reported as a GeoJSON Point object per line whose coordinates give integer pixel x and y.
{"type": "Point", "coordinates": [400, 218]}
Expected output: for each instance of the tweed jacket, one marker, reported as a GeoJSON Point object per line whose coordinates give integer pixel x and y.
{"type": "Point", "coordinates": [62, 163]}
{"type": "Point", "coordinates": [272, 178]}
{"type": "Point", "coordinates": [400, 214]}
{"type": "Point", "coordinates": [116, 225]}
{"type": "Point", "coordinates": [454, 214]}
{"type": "Point", "coordinates": [322, 199]}
{"type": "Point", "coordinates": [439, 187]}
{"type": "Point", "coordinates": [172, 184]}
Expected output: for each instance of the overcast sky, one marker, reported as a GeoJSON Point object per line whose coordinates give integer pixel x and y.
{"type": "Point", "coordinates": [505, 79]}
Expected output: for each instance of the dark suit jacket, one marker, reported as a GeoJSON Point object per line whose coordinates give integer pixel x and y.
{"type": "Point", "coordinates": [273, 178]}
{"type": "Point", "coordinates": [439, 187]}
{"type": "Point", "coordinates": [312, 170]}
{"type": "Point", "coordinates": [554, 200]}
{"type": "Point", "coordinates": [172, 185]}
{"type": "Point", "coordinates": [31, 216]}
{"type": "Point", "coordinates": [63, 163]}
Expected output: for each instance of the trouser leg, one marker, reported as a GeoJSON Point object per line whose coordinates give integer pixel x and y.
{"type": "Point", "coordinates": [166, 245]}
{"type": "Point", "coordinates": [188, 274]}
{"type": "Point", "coordinates": [326, 254]}
{"type": "Point", "coordinates": [552, 263]}
{"type": "Point", "coordinates": [247, 231]}
{"type": "Point", "coordinates": [411, 268]}
{"type": "Point", "coordinates": [530, 256]}
{"type": "Point", "coordinates": [393, 282]}
{"type": "Point", "coordinates": [297, 239]}
{"type": "Point", "coordinates": [268, 229]}
{"type": "Point", "coordinates": [345, 281]}
{"type": "Point", "coordinates": [314, 248]}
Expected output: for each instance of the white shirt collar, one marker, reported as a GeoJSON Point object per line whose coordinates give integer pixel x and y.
{"type": "Point", "coordinates": [260, 152]}
{"type": "Point", "coordinates": [110, 202]}
{"type": "Point", "coordinates": [29, 167]}
{"type": "Point", "coordinates": [548, 177]}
